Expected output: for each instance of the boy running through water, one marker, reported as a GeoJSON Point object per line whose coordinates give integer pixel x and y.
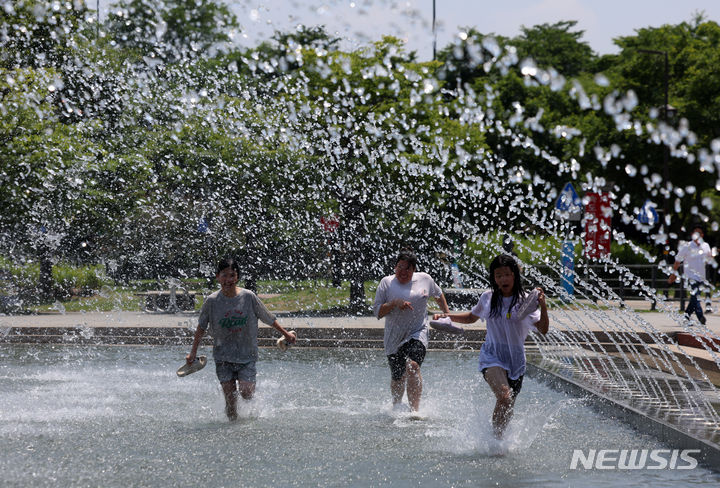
{"type": "Point", "coordinates": [232, 314]}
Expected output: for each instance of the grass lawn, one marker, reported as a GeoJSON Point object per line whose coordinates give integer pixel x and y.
{"type": "Point", "coordinates": [305, 296]}
{"type": "Point", "coordinates": [107, 299]}
{"type": "Point", "coordinates": [291, 296]}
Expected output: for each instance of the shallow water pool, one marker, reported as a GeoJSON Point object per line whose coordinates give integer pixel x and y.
{"type": "Point", "coordinates": [119, 416]}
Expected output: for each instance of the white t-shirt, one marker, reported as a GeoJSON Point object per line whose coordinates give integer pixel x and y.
{"type": "Point", "coordinates": [694, 257]}
{"type": "Point", "coordinates": [505, 341]}
{"type": "Point", "coordinates": [403, 325]}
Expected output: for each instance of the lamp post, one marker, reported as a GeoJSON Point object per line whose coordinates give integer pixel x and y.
{"type": "Point", "coordinates": [433, 31]}
{"type": "Point", "coordinates": [665, 115]}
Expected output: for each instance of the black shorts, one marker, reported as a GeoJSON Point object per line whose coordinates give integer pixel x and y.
{"type": "Point", "coordinates": [412, 349]}
{"type": "Point", "coordinates": [515, 385]}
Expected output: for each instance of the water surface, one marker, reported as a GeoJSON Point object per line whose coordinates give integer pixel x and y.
{"type": "Point", "coordinates": [119, 416]}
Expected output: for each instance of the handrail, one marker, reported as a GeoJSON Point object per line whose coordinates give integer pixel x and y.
{"type": "Point", "coordinates": [649, 278]}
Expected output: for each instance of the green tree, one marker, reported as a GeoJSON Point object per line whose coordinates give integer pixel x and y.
{"type": "Point", "coordinates": [382, 147]}
{"type": "Point", "coordinates": [171, 30]}
{"type": "Point", "coordinates": [556, 46]}
{"type": "Point", "coordinates": [693, 83]}
{"type": "Point", "coordinates": [39, 34]}
{"type": "Point", "coordinates": [47, 190]}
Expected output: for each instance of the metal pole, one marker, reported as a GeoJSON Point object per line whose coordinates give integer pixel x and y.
{"type": "Point", "coordinates": [97, 27]}
{"type": "Point", "coordinates": [666, 154]}
{"type": "Point", "coordinates": [433, 31]}
{"type": "Point", "coordinates": [653, 275]}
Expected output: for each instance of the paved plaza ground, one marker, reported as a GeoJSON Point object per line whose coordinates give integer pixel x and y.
{"type": "Point", "coordinates": [664, 322]}
{"type": "Point", "coordinates": [322, 329]}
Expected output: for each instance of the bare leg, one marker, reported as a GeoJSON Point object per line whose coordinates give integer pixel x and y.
{"type": "Point", "coordinates": [414, 384]}
{"type": "Point", "coordinates": [247, 389]}
{"type": "Point", "coordinates": [231, 394]}
{"type": "Point", "coordinates": [496, 377]}
{"type": "Point", "coordinates": [397, 389]}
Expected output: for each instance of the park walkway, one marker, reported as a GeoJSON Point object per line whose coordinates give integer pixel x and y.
{"type": "Point", "coordinates": [139, 328]}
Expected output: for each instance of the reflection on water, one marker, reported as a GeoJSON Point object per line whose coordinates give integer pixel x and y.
{"type": "Point", "coordinates": [120, 416]}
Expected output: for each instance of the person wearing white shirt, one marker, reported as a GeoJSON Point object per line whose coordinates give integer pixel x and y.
{"type": "Point", "coordinates": [402, 299]}
{"type": "Point", "coordinates": [502, 356]}
{"type": "Point", "coordinates": [694, 256]}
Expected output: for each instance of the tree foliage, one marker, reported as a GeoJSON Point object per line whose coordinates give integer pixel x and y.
{"type": "Point", "coordinates": [154, 142]}
{"type": "Point", "coordinates": [556, 46]}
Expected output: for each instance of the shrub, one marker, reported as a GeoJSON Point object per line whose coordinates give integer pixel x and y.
{"type": "Point", "coordinates": [74, 280]}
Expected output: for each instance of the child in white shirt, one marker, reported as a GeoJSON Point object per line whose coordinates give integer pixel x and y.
{"type": "Point", "coordinates": [502, 356]}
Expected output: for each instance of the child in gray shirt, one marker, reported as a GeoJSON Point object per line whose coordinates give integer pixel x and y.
{"type": "Point", "coordinates": [232, 314]}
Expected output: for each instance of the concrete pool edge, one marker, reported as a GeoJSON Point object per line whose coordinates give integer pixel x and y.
{"type": "Point", "coordinates": [663, 431]}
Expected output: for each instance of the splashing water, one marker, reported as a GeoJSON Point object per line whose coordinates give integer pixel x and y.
{"type": "Point", "coordinates": [163, 150]}
{"type": "Point", "coordinates": [120, 416]}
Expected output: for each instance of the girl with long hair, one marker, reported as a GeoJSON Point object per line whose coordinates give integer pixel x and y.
{"type": "Point", "coordinates": [502, 356]}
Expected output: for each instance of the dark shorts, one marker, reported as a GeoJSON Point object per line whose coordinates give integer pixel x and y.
{"type": "Point", "coordinates": [412, 349]}
{"type": "Point", "coordinates": [515, 385]}
{"type": "Point", "coordinates": [227, 371]}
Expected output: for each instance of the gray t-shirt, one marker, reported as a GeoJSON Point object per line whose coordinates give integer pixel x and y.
{"type": "Point", "coordinates": [403, 325]}
{"type": "Point", "coordinates": [233, 323]}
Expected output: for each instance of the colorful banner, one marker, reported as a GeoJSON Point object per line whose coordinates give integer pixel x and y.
{"type": "Point", "coordinates": [598, 225]}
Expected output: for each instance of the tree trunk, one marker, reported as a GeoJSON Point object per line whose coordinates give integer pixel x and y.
{"type": "Point", "coordinates": [336, 268]}
{"type": "Point", "coordinates": [251, 284]}
{"type": "Point", "coordinates": [46, 279]}
{"type": "Point", "coordinates": [357, 295]}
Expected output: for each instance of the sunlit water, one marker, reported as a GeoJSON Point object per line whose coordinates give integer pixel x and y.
{"type": "Point", "coordinates": [119, 416]}
{"type": "Point", "coordinates": [319, 125]}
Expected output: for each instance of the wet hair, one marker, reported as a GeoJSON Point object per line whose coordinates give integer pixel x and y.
{"type": "Point", "coordinates": [504, 260]}
{"type": "Point", "coordinates": [407, 254]}
{"type": "Point", "coordinates": [228, 262]}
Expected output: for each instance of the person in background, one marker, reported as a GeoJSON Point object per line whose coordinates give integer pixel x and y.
{"type": "Point", "coordinates": [711, 273]}
{"type": "Point", "coordinates": [693, 256]}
